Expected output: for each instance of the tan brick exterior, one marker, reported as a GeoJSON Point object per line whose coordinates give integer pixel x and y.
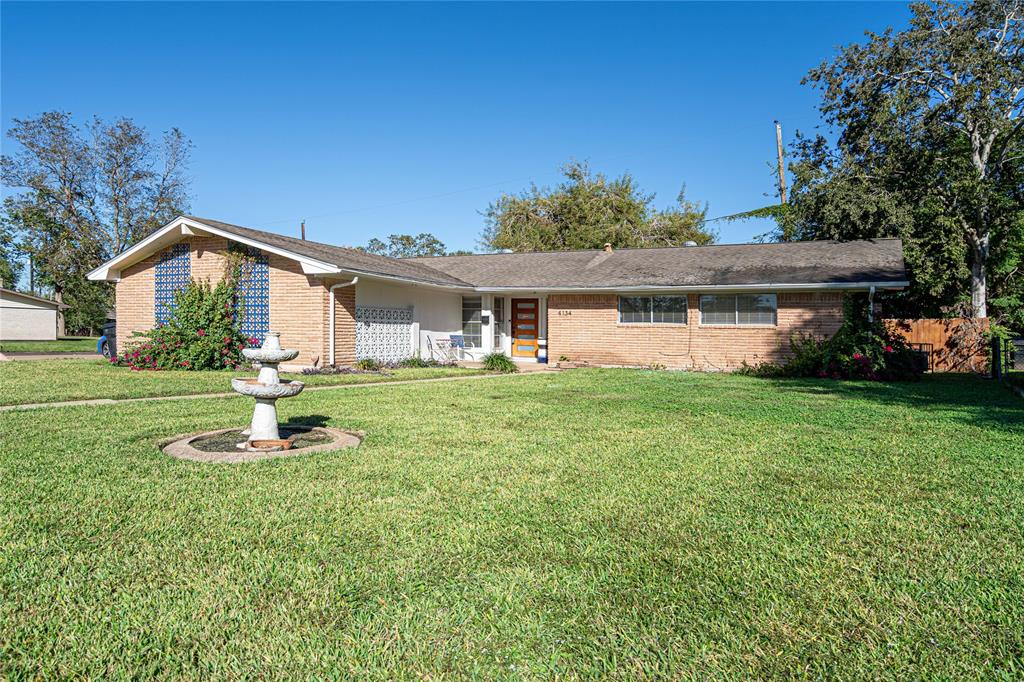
{"type": "Point", "coordinates": [298, 302]}
{"type": "Point", "coordinates": [579, 326]}
{"type": "Point", "coordinates": [344, 325]}
{"type": "Point", "coordinates": [586, 328]}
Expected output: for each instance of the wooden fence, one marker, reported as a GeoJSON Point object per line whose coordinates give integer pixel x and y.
{"type": "Point", "coordinates": [956, 344]}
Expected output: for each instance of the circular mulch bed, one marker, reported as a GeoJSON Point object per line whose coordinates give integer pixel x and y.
{"type": "Point", "coordinates": [219, 446]}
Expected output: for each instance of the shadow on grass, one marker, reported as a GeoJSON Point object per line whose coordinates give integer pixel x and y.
{"type": "Point", "coordinates": [307, 420]}
{"type": "Point", "coordinates": [963, 397]}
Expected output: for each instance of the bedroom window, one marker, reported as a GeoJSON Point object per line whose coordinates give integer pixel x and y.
{"type": "Point", "coordinates": [739, 309]}
{"type": "Point", "coordinates": [652, 309]}
{"type": "Point", "coordinates": [471, 328]}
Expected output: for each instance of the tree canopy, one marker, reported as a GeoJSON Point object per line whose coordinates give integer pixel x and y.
{"type": "Point", "coordinates": [406, 246]}
{"type": "Point", "coordinates": [586, 211]}
{"type": "Point", "coordinates": [409, 246]}
{"type": "Point", "coordinates": [928, 148]}
{"type": "Point", "coordinates": [85, 194]}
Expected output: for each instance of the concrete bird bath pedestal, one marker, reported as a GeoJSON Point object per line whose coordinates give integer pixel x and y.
{"type": "Point", "coordinates": [267, 389]}
{"type": "Point", "coordinates": [263, 438]}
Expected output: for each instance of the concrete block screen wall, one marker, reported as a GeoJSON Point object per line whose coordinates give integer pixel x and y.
{"type": "Point", "coordinates": [586, 327]}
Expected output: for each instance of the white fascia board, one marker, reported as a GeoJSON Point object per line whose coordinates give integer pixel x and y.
{"type": "Point", "coordinates": [111, 270]}
{"type": "Point", "coordinates": [767, 286]}
{"type": "Point", "coordinates": [408, 281]}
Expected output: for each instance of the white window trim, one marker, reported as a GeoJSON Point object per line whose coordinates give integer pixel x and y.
{"type": "Point", "coordinates": [736, 311]}
{"type": "Point", "coordinates": [651, 322]}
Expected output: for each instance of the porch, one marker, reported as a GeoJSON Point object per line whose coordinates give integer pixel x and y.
{"type": "Point", "coordinates": [395, 321]}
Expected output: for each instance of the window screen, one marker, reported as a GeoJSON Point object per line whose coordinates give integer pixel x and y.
{"type": "Point", "coordinates": [471, 329]}
{"type": "Point", "coordinates": [634, 309]}
{"type": "Point", "coordinates": [755, 309]}
{"type": "Point", "coordinates": [741, 309]}
{"type": "Point", "coordinates": [669, 310]}
{"type": "Point", "coordinates": [715, 309]}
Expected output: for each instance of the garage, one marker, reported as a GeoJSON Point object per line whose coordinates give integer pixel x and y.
{"type": "Point", "coordinates": [24, 317]}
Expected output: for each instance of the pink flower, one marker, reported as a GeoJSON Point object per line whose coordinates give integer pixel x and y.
{"type": "Point", "coordinates": [201, 332]}
{"type": "Point", "coordinates": [857, 356]}
{"type": "Point", "coordinates": [888, 349]}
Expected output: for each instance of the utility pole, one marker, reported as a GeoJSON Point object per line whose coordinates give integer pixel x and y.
{"type": "Point", "coordinates": [303, 228]}
{"type": "Point", "coordinates": [31, 276]}
{"type": "Point", "coordinates": [782, 166]}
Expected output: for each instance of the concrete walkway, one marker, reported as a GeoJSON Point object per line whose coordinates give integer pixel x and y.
{"type": "Point", "coordinates": [375, 384]}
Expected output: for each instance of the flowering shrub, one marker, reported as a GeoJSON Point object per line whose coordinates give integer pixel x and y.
{"type": "Point", "coordinates": [859, 350]}
{"type": "Point", "coordinates": [201, 334]}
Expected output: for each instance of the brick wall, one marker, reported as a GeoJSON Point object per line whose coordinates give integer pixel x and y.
{"type": "Point", "coordinates": [586, 327]}
{"type": "Point", "coordinates": [344, 325]}
{"type": "Point", "coordinates": [134, 299]}
{"type": "Point", "coordinates": [298, 302]}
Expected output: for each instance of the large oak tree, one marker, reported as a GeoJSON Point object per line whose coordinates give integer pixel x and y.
{"type": "Point", "coordinates": [929, 147]}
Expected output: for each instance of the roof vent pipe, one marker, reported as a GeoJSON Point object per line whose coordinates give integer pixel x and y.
{"type": "Point", "coordinates": [690, 243]}
{"type": "Point", "coordinates": [608, 247]}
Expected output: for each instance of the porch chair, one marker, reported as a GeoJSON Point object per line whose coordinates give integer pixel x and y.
{"type": "Point", "coordinates": [450, 349]}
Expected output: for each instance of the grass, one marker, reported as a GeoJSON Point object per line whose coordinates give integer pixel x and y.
{"type": "Point", "coordinates": [597, 523]}
{"type": "Point", "coordinates": [65, 344]}
{"type": "Point", "coordinates": [46, 381]}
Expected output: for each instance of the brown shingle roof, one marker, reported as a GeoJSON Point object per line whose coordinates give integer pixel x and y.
{"type": "Point", "coordinates": [819, 262]}
{"type": "Point", "coordinates": [351, 260]}
{"type": "Point", "coordinates": [878, 261]}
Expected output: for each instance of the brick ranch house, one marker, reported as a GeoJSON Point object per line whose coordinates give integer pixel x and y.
{"type": "Point", "coordinates": [696, 307]}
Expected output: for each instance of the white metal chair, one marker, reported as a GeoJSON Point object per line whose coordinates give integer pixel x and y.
{"type": "Point", "coordinates": [450, 349]}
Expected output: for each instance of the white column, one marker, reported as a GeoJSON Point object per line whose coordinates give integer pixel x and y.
{"type": "Point", "coordinates": [487, 331]}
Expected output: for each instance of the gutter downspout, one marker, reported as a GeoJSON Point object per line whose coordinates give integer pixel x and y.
{"type": "Point", "coordinates": [871, 305]}
{"type": "Point", "coordinates": [333, 301]}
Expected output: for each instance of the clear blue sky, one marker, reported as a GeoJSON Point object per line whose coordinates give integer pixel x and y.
{"type": "Point", "coordinates": [373, 119]}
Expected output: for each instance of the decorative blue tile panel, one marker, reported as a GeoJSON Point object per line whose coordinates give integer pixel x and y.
{"type": "Point", "coordinates": [173, 271]}
{"type": "Point", "coordinates": [254, 293]}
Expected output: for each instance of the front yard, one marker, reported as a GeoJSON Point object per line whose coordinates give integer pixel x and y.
{"type": "Point", "coordinates": [47, 381]}
{"type": "Point", "coordinates": [66, 344]}
{"type": "Point", "coordinates": [592, 523]}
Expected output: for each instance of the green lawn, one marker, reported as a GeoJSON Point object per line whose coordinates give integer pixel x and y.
{"type": "Point", "coordinates": [66, 344]}
{"type": "Point", "coordinates": [595, 523]}
{"type": "Point", "coordinates": [47, 381]}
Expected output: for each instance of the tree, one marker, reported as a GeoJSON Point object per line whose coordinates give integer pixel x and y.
{"type": "Point", "coordinates": [929, 149]}
{"type": "Point", "coordinates": [86, 197]}
{"type": "Point", "coordinates": [588, 210]}
{"type": "Point", "coordinates": [11, 265]}
{"type": "Point", "coordinates": [406, 246]}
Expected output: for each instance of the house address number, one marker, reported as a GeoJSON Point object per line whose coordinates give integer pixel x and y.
{"type": "Point", "coordinates": [564, 313]}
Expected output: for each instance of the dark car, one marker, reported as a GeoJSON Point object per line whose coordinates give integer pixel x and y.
{"type": "Point", "coordinates": [107, 344]}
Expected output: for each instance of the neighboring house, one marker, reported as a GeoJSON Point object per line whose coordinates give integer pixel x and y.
{"type": "Point", "coordinates": [24, 317]}
{"type": "Point", "coordinates": [697, 307]}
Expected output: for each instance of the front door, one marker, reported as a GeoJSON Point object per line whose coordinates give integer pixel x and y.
{"type": "Point", "coordinates": [525, 327]}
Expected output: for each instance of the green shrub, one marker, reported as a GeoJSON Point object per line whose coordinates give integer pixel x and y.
{"type": "Point", "coordinates": [499, 362]}
{"type": "Point", "coordinates": [368, 365]}
{"type": "Point", "coordinates": [202, 333]}
{"type": "Point", "coordinates": [859, 350]}
{"type": "Point", "coordinates": [417, 361]}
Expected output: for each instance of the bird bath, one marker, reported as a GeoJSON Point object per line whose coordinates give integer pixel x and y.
{"type": "Point", "coordinates": [267, 389]}
{"type": "Point", "coordinates": [263, 435]}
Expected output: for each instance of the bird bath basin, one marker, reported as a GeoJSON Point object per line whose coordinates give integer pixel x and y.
{"type": "Point", "coordinates": [267, 389]}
